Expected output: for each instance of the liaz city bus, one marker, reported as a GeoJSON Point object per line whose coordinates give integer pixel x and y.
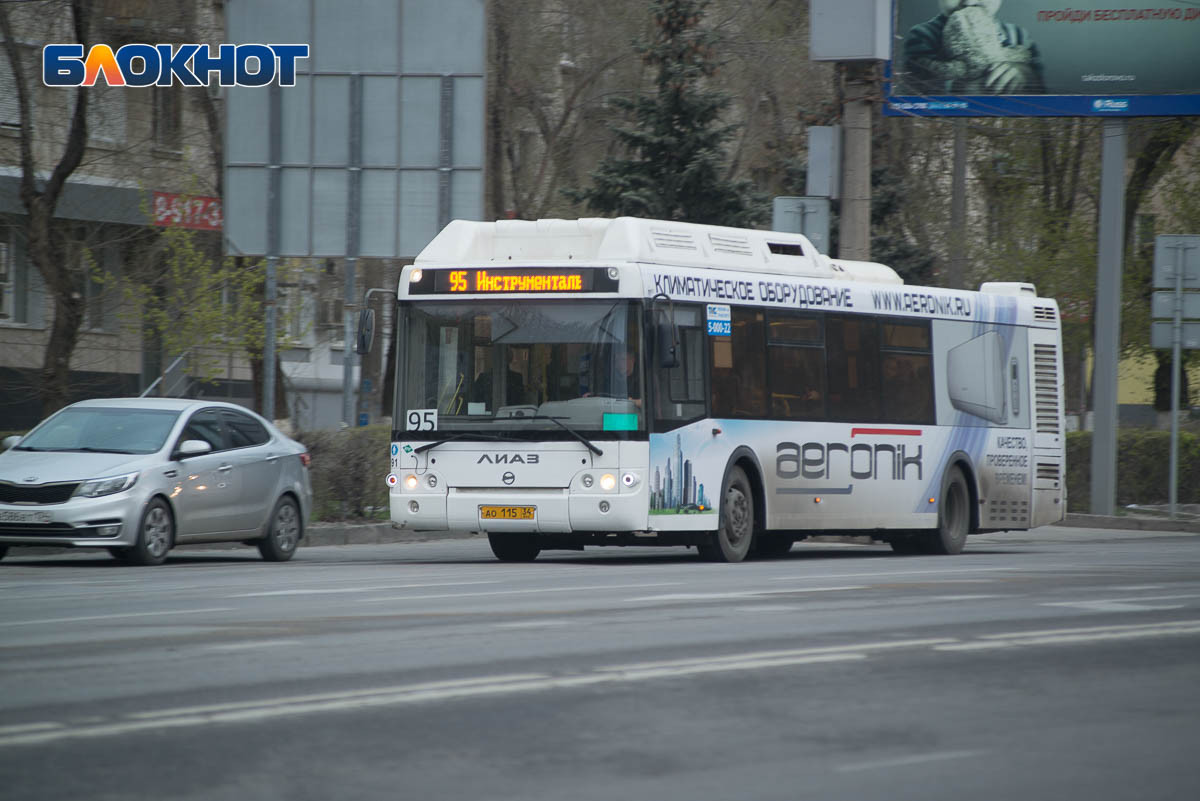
{"type": "Point", "coordinates": [567, 383]}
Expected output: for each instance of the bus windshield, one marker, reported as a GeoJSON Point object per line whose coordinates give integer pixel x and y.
{"type": "Point", "coordinates": [513, 366]}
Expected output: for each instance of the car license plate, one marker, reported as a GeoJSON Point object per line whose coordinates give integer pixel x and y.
{"type": "Point", "coordinates": [507, 512]}
{"type": "Point", "coordinates": [22, 516]}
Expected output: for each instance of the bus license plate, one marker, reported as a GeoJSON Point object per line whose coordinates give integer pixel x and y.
{"type": "Point", "coordinates": [507, 512]}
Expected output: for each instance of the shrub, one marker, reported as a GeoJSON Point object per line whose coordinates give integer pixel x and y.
{"type": "Point", "coordinates": [348, 472]}
{"type": "Point", "coordinates": [1143, 468]}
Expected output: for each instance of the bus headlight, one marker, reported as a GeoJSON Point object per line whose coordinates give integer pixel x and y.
{"type": "Point", "coordinates": [587, 480]}
{"type": "Point", "coordinates": [608, 481]}
{"type": "Point", "coordinates": [630, 479]}
{"type": "Point", "coordinates": [410, 482]}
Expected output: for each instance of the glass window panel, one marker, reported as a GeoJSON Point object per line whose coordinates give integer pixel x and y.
{"type": "Point", "coordinates": [739, 368]}
{"type": "Point", "coordinates": [797, 383]}
{"type": "Point", "coordinates": [907, 388]}
{"type": "Point", "coordinates": [794, 328]}
{"type": "Point", "coordinates": [906, 335]}
{"type": "Point", "coordinates": [852, 350]}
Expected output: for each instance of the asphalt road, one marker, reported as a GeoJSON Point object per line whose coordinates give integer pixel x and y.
{"type": "Point", "coordinates": [1059, 663]}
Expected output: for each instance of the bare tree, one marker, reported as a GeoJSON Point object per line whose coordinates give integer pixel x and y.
{"type": "Point", "coordinates": [40, 198]}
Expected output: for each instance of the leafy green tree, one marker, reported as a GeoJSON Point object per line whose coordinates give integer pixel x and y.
{"type": "Point", "coordinates": [673, 167]}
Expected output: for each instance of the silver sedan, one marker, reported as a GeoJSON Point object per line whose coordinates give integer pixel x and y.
{"type": "Point", "coordinates": [139, 476]}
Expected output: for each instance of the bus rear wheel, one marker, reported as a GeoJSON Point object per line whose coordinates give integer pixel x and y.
{"type": "Point", "coordinates": [733, 540]}
{"type": "Point", "coordinates": [509, 547]}
{"type": "Point", "coordinates": [954, 516]}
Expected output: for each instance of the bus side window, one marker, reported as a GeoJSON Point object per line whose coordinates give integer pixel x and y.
{"type": "Point", "coordinates": [739, 371]}
{"type": "Point", "coordinates": [679, 391]}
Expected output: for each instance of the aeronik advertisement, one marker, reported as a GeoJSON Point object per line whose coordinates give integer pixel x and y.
{"type": "Point", "coordinates": [1045, 58]}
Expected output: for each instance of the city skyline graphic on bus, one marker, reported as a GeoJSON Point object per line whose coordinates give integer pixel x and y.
{"type": "Point", "coordinates": [674, 488]}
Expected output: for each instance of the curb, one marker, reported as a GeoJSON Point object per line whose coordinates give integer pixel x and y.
{"type": "Point", "coordinates": [1134, 522]}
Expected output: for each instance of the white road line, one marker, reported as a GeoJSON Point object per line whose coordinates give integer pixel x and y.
{"type": "Point", "coordinates": [533, 624]}
{"type": "Point", "coordinates": [899, 762]}
{"type": "Point", "coordinates": [1074, 636]}
{"type": "Point", "coordinates": [250, 646]}
{"type": "Point", "coordinates": [962, 597]}
{"type": "Point", "coordinates": [516, 592]}
{"type": "Point", "coordinates": [902, 573]}
{"type": "Point", "coordinates": [714, 596]}
{"type": "Point", "coordinates": [348, 590]}
{"type": "Point", "coordinates": [114, 617]}
{"type": "Point", "coordinates": [784, 654]}
{"type": "Point", "coordinates": [1115, 606]}
{"type": "Point", "coordinates": [21, 728]}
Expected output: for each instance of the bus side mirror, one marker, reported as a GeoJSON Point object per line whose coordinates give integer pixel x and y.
{"type": "Point", "coordinates": [667, 345]}
{"type": "Point", "coordinates": [366, 332]}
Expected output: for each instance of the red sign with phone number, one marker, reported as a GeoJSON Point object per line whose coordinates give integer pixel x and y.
{"type": "Point", "coordinates": [187, 211]}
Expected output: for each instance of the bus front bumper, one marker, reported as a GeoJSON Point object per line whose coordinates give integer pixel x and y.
{"type": "Point", "coordinates": [537, 511]}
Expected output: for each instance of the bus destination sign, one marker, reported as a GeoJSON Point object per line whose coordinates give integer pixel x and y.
{"type": "Point", "coordinates": [511, 280]}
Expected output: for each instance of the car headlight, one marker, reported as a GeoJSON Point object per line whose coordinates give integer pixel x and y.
{"type": "Point", "coordinates": [105, 486]}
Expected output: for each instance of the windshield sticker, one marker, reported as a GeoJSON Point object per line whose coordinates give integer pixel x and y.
{"type": "Point", "coordinates": [720, 323]}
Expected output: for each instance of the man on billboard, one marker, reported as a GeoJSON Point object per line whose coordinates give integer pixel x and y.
{"type": "Point", "coordinates": [966, 50]}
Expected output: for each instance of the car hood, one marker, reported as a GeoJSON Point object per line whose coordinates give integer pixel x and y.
{"type": "Point", "coordinates": [43, 467]}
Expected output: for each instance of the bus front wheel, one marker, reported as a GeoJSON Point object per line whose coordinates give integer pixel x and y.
{"type": "Point", "coordinates": [732, 541]}
{"type": "Point", "coordinates": [510, 547]}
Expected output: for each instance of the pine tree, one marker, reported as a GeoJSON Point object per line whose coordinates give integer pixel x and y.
{"type": "Point", "coordinates": [674, 169]}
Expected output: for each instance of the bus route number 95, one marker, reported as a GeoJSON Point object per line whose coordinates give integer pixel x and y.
{"type": "Point", "coordinates": [421, 420]}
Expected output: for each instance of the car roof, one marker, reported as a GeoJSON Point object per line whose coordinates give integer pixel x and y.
{"type": "Point", "coordinates": [167, 404]}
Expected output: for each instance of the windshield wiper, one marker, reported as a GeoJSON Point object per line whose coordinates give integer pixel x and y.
{"type": "Point", "coordinates": [431, 445]}
{"type": "Point", "coordinates": [591, 446]}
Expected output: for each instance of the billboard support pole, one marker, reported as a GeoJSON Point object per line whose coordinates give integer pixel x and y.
{"type": "Point", "coordinates": [1107, 343]}
{"type": "Point", "coordinates": [958, 207]}
{"type": "Point", "coordinates": [353, 211]}
{"type": "Point", "coordinates": [855, 223]}
{"type": "Point", "coordinates": [274, 154]}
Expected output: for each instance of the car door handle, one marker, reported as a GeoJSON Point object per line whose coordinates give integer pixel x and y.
{"type": "Point", "coordinates": [170, 473]}
{"type": "Point", "coordinates": [272, 458]}
{"type": "Point", "coordinates": [225, 468]}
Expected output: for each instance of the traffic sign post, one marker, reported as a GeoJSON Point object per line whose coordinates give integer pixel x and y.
{"type": "Point", "coordinates": [1176, 266]}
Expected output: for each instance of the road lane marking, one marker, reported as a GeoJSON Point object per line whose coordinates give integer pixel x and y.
{"type": "Point", "coordinates": [717, 596]}
{"type": "Point", "coordinates": [1074, 636]}
{"type": "Point", "coordinates": [783, 654]}
{"type": "Point", "coordinates": [889, 574]}
{"type": "Point", "coordinates": [1127, 604]}
{"type": "Point", "coordinates": [441, 596]}
{"type": "Point", "coordinates": [250, 646]}
{"type": "Point", "coordinates": [915, 759]}
{"type": "Point", "coordinates": [347, 590]}
{"type": "Point", "coordinates": [532, 624]}
{"type": "Point", "coordinates": [114, 617]}
{"type": "Point", "coordinates": [22, 728]}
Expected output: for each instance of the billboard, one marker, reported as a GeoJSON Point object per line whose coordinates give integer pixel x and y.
{"type": "Point", "coordinates": [1044, 58]}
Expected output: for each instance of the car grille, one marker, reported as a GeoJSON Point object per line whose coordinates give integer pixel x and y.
{"type": "Point", "coordinates": [36, 493]}
{"type": "Point", "coordinates": [42, 530]}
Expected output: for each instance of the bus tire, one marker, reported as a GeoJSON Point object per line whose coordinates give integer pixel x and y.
{"type": "Point", "coordinates": [510, 547]}
{"type": "Point", "coordinates": [734, 538]}
{"type": "Point", "coordinates": [954, 516]}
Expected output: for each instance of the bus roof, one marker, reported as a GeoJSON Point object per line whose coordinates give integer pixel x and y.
{"type": "Point", "coordinates": [634, 239]}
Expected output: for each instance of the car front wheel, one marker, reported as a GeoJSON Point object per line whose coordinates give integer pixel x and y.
{"type": "Point", "coordinates": [283, 532]}
{"type": "Point", "coordinates": [156, 535]}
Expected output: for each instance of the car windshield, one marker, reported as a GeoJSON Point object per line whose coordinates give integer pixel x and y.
{"type": "Point", "coordinates": [508, 367]}
{"type": "Point", "coordinates": [102, 430]}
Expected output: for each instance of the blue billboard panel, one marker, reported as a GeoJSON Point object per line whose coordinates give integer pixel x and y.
{"type": "Point", "coordinates": [1021, 58]}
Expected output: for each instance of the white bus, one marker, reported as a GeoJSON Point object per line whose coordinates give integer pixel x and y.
{"type": "Point", "coordinates": [565, 383]}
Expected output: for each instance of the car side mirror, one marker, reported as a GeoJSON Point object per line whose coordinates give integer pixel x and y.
{"type": "Point", "coordinates": [11, 441]}
{"type": "Point", "coordinates": [193, 447]}
{"type": "Point", "coordinates": [366, 332]}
